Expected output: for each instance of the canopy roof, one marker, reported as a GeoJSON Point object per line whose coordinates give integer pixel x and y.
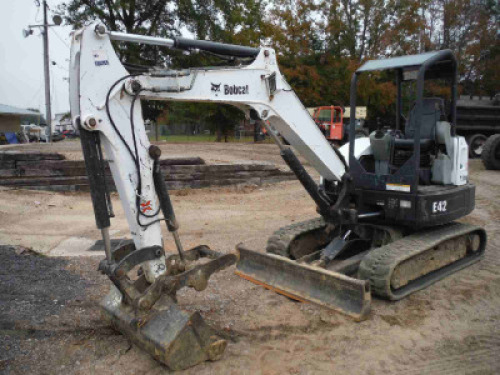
{"type": "Point", "coordinates": [9, 110]}
{"type": "Point", "coordinates": [407, 61]}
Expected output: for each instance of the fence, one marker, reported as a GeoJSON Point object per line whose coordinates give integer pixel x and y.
{"type": "Point", "coordinates": [201, 133]}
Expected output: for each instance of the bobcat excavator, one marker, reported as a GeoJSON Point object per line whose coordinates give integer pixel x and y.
{"type": "Point", "coordinates": [386, 203]}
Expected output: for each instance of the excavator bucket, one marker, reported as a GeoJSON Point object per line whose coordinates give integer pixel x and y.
{"type": "Point", "coordinates": [172, 336]}
{"type": "Point", "coordinates": [305, 283]}
{"type": "Point", "coordinates": [148, 313]}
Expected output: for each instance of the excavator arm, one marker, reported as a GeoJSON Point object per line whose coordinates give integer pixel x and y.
{"type": "Point", "coordinates": [105, 99]}
{"type": "Point", "coordinates": [105, 102]}
{"type": "Point", "coordinates": [105, 107]}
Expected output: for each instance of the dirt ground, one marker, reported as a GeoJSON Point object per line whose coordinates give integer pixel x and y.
{"type": "Point", "coordinates": [50, 321]}
{"type": "Point", "coordinates": [211, 152]}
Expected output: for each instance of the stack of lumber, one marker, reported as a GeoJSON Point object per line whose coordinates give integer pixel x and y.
{"type": "Point", "coordinates": [50, 171]}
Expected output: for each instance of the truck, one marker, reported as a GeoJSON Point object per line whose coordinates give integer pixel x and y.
{"type": "Point", "coordinates": [477, 119]}
{"type": "Point", "coordinates": [332, 121]}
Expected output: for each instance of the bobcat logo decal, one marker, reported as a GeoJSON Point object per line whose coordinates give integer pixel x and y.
{"type": "Point", "coordinates": [215, 87]}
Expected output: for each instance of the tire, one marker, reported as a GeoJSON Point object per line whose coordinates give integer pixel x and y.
{"type": "Point", "coordinates": [476, 145]}
{"type": "Point", "coordinates": [491, 153]}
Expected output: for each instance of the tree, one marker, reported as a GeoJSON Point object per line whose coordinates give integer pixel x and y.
{"type": "Point", "coordinates": [322, 43]}
{"type": "Point", "coordinates": [319, 43]}
{"type": "Point", "coordinates": [223, 119]}
{"type": "Point", "coordinates": [230, 21]}
{"type": "Point", "coordinates": [131, 16]}
{"type": "Point", "coordinates": [144, 17]}
{"type": "Point", "coordinates": [227, 21]}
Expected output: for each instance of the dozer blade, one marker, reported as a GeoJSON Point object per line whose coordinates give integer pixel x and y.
{"type": "Point", "coordinates": [305, 283]}
{"type": "Point", "coordinates": [172, 336]}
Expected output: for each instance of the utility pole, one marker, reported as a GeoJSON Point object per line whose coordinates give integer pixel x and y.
{"type": "Point", "coordinates": [46, 62]}
{"type": "Point", "coordinates": [46, 66]}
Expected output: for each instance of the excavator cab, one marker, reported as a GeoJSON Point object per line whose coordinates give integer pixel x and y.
{"type": "Point", "coordinates": [419, 160]}
{"type": "Point", "coordinates": [389, 230]}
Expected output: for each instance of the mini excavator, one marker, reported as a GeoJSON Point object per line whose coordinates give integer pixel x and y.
{"type": "Point", "coordinates": [386, 203]}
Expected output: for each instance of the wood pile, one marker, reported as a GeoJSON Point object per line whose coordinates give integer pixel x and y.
{"type": "Point", "coordinates": [50, 171]}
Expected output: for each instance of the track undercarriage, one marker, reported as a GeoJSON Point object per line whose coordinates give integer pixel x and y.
{"type": "Point", "coordinates": [350, 262]}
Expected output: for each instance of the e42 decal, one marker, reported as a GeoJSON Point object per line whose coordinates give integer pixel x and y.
{"type": "Point", "coordinates": [439, 206]}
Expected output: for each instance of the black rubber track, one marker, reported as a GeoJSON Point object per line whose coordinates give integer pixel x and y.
{"type": "Point", "coordinates": [379, 264]}
{"type": "Point", "coordinates": [279, 242]}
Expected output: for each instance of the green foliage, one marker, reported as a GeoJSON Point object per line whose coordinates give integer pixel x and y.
{"type": "Point", "coordinates": [320, 43]}
{"type": "Point", "coordinates": [221, 119]}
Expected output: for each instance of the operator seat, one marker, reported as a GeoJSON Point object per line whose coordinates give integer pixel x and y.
{"type": "Point", "coordinates": [392, 149]}
{"type": "Point", "coordinates": [432, 112]}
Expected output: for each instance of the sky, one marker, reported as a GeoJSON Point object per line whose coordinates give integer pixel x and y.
{"type": "Point", "coordinates": [21, 59]}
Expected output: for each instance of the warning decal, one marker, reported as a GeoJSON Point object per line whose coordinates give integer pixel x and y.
{"type": "Point", "coordinates": [146, 206]}
{"type": "Point", "coordinates": [398, 187]}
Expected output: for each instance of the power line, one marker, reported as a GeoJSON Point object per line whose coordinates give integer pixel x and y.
{"type": "Point", "coordinates": [37, 11]}
{"type": "Point", "coordinates": [36, 93]}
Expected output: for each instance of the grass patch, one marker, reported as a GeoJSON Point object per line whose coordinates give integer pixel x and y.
{"type": "Point", "coordinates": [204, 138]}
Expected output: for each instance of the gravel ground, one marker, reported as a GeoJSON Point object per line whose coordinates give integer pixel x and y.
{"type": "Point", "coordinates": [50, 321]}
